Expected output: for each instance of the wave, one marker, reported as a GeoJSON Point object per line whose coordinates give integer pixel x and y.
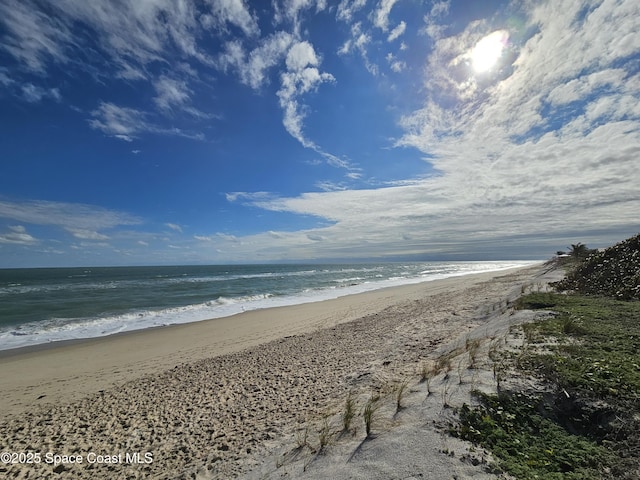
{"type": "Point", "coordinates": [336, 285]}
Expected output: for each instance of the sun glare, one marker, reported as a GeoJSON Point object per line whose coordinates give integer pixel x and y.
{"type": "Point", "coordinates": [488, 51]}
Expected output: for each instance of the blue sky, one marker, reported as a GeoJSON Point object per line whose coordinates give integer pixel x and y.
{"type": "Point", "coordinates": [223, 131]}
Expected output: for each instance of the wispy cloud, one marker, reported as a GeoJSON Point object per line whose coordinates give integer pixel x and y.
{"type": "Point", "coordinates": [381, 14]}
{"type": "Point", "coordinates": [35, 94]}
{"type": "Point", "coordinates": [135, 39]}
{"type": "Point", "coordinates": [174, 95]}
{"type": "Point", "coordinates": [302, 76]}
{"type": "Point", "coordinates": [291, 10]}
{"type": "Point", "coordinates": [32, 36]}
{"type": "Point", "coordinates": [82, 221]}
{"type": "Point", "coordinates": [135, 35]}
{"type": "Point", "coordinates": [347, 9]}
{"type": "Point", "coordinates": [252, 67]}
{"type": "Point", "coordinates": [5, 80]}
{"type": "Point", "coordinates": [85, 234]}
{"type": "Point", "coordinates": [18, 235]}
{"type": "Point", "coordinates": [234, 12]}
{"type": "Point", "coordinates": [120, 122]}
{"type": "Point", "coordinates": [131, 37]}
{"type": "Point", "coordinates": [395, 64]}
{"type": "Point", "coordinates": [359, 42]}
{"type": "Point", "coordinates": [397, 32]}
{"type": "Point", "coordinates": [433, 26]}
{"type": "Point", "coordinates": [128, 123]}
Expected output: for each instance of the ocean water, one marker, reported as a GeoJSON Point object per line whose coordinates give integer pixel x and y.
{"type": "Point", "coordinates": [53, 304]}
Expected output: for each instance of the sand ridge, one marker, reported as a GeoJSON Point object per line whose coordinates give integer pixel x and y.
{"type": "Point", "coordinates": [218, 417]}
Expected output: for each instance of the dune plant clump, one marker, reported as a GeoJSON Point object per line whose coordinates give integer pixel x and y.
{"type": "Point", "coordinates": [349, 412]}
{"type": "Point", "coordinates": [369, 412]}
{"type": "Point", "coordinates": [613, 272]}
{"type": "Point", "coordinates": [401, 391]}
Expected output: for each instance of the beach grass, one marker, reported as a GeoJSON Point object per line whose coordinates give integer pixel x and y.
{"type": "Point", "coordinates": [401, 391]}
{"type": "Point", "coordinates": [587, 424]}
{"type": "Point", "coordinates": [369, 412]}
{"type": "Point", "coordinates": [349, 412]}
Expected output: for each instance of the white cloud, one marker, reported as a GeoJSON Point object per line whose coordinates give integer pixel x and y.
{"type": "Point", "coordinates": [290, 10]}
{"type": "Point", "coordinates": [130, 37]}
{"type": "Point", "coordinates": [174, 94]}
{"type": "Point", "coordinates": [359, 41]}
{"type": "Point", "coordinates": [302, 76]}
{"type": "Point", "coordinates": [395, 64]}
{"type": "Point", "coordinates": [128, 123]}
{"type": "Point", "coordinates": [18, 235]}
{"type": "Point", "coordinates": [381, 15]}
{"type": "Point", "coordinates": [493, 143]}
{"type": "Point", "coordinates": [397, 32]}
{"type": "Point", "coordinates": [174, 226]}
{"type": "Point", "coordinates": [252, 68]}
{"type": "Point", "coordinates": [234, 12]}
{"type": "Point", "coordinates": [85, 234]}
{"type": "Point", "coordinates": [398, 66]}
{"type": "Point", "coordinates": [136, 34]}
{"type": "Point", "coordinates": [234, 196]}
{"type": "Point", "coordinates": [120, 122]}
{"type": "Point", "coordinates": [433, 27]}
{"type": "Point", "coordinates": [34, 94]}
{"type": "Point", "coordinates": [347, 9]}
{"type": "Point", "coordinates": [581, 87]}
{"type": "Point", "coordinates": [301, 55]}
{"type": "Point", "coordinates": [5, 80]}
{"type": "Point", "coordinates": [171, 93]}
{"type": "Point", "coordinates": [33, 37]}
{"type": "Point", "coordinates": [133, 34]}
{"type": "Point", "coordinates": [79, 219]}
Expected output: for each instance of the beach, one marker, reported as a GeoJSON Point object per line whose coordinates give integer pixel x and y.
{"type": "Point", "coordinates": [215, 399]}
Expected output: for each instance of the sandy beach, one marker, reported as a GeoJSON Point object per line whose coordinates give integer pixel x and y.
{"type": "Point", "coordinates": [217, 399]}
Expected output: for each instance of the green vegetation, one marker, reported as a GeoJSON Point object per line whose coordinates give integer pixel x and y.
{"type": "Point", "coordinates": [369, 412]}
{"type": "Point", "coordinates": [579, 250]}
{"type": "Point", "coordinates": [614, 272]}
{"type": "Point", "coordinates": [325, 434]}
{"type": "Point", "coordinates": [599, 345]}
{"type": "Point", "coordinates": [583, 419]}
{"type": "Point", "coordinates": [526, 444]}
{"type": "Point", "coordinates": [401, 390]}
{"type": "Point", "coordinates": [349, 412]}
{"type": "Point", "coordinates": [589, 356]}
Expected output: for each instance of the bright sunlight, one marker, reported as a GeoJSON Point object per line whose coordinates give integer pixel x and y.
{"type": "Point", "coordinates": [488, 51]}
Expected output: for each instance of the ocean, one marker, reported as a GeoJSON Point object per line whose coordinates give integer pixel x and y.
{"type": "Point", "coordinates": [53, 304]}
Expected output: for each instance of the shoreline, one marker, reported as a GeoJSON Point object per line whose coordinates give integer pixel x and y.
{"type": "Point", "coordinates": [217, 386]}
{"type": "Point", "coordinates": [39, 347]}
{"type": "Point", "coordinates": [67, 370]}
{"type": "Point", "coordinates": [165, 316]}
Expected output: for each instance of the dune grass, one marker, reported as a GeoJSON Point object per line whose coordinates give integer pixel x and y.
{"type": "Point", "coordinates": [349, 412]}
{"type": "Point", "coordinates": [369, 412]}
{"type": "Point", "coordinates": [588, 427]}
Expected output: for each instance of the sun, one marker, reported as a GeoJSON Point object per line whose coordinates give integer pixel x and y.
{"type": "Point", "coordinates": [488, 51]}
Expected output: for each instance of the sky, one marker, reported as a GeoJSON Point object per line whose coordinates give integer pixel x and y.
{"type": "Point", "coordinates": [222, 131]}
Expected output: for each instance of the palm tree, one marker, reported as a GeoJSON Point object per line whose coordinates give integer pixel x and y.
{"type": "Point", "coordinates": [578, 250]}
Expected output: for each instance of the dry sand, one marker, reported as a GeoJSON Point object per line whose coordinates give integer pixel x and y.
{"type": "Point", "coordinates": [225, 398]}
